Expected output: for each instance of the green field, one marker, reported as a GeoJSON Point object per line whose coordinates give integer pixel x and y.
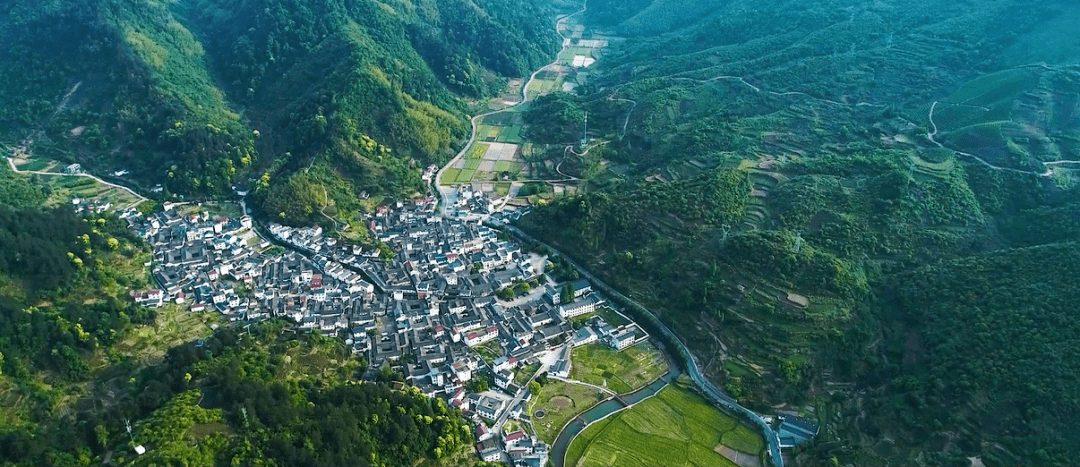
{"type": "Point", "coordinates": [675, 427]}
{"type": "Point", "coordinates": [465, 175]}
{"type": "Point", "coordinates": [477, 151]}
{"type": "Point", "coordinates": [471, 164]}
{"type": "Point", "coordinates": [507, 166]}
{"type": "Point", "coordinates": [34, 165]}
{"type": "Point", "coordinates": [621, 372]}
{"type": "Point", "coordinates": [561, 401]}
{"type": "Point", "coordinates": [512, 134]}
{"type": "Point", "coordinates": [449, 176]}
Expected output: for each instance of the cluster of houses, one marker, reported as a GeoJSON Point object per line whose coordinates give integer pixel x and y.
{"type": "Point", "coordinates": [470, 199]}
{"type": "Point", "coordinates": [522, 449]}
{"type": "Point", "coordinates": [420, 303]}
{"type": "Point", "coordinates": [95, 206]}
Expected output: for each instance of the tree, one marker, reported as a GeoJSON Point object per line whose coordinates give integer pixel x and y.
{"type": "Point", "coordinates": [567, 294]}
{"type": "Point", "coordinates": [114, 244]}
{"type": "Point", "coordinates": [534, 387]}
{"type": "Point", "coordinates": [507, 293]}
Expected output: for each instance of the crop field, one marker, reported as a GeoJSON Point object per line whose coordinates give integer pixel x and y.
{"type": "Point", "coordinates": [466, 175]}
{"type": "Point", "coordinates": [621, 372]}
{"type": "Point", "coordinates": [35, 165]}
{"type": "Point", "coordinates": [560, 401]}
{"type": "Point", "coordinates": [64, 188]}
{"type": "Point", "coordinates": [450, 176]}
{"type": "Point", "coordinates": [675, 427]}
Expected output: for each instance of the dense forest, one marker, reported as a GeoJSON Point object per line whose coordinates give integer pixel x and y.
{"type": "Point", "coordinates": [203, 95]}
{"type": "Point", "coordinates": [223, 400]}
{"type": "Point", "coordinates": [80, 362]}
{"type": "Point", "coordinates": [892, 263]}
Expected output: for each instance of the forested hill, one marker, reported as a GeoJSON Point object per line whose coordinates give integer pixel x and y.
{"type": "Point", "coordinates": [896, 209]}
{"type": "Point", "coordinates": [200, 95]}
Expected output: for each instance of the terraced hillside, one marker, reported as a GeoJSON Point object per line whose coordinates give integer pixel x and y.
{"type": "Point", "coordinates": [876, 138]}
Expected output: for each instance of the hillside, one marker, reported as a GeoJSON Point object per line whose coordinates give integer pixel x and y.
{"type": "Point", "coordinates": [882, 143]}
{"type": "Point", "coordinates": [80, 362]}
{"type": "Point", "coordinates": [283, 97]}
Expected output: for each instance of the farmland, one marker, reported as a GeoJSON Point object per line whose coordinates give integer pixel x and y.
{"type": "Point", "coordinates": [621, 371]}
{"type": "Point", "coordinates": [675, 427]}
{"type": "Point", "coordinates": [560, 401]}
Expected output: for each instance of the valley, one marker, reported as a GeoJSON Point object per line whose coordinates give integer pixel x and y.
{"type": "Point", "coordinates": [714, 232]}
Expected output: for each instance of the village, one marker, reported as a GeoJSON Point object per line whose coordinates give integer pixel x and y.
{"type": "Point", "coordinates": [427, 302]}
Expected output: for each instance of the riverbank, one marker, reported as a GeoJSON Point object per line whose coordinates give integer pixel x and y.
{"type": "Point", "coordinates": [685, 359]}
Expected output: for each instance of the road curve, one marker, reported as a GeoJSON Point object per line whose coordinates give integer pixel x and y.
{"type": "Point", "coordinates": [11, 163]}
{"type": "Point", "coordinates": [447, 192]}
{"type": "Point", "coordinates": [707, 387]}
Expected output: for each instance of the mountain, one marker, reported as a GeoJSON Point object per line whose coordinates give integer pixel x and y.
{"type": "Point", "coordinates": [306, 103]}
{"type": "Point", "coordinates": [835, 203]}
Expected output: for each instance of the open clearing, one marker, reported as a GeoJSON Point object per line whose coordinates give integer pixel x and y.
{"type": "Point", "coordinates": [622, 372]}
{"type": "Point", "coordinates": [675, 427]}
{"type": "Point", "coordinates": [173, 326]}
{"type": "Point", "coordinates": [560, 401]}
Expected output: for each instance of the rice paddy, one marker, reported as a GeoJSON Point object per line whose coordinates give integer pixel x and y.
{"type": "Point", "coordinates": [675, 427]}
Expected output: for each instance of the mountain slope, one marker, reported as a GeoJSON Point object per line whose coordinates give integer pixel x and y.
{"type": "Point", "coordinates": [202, 94]}
{"type": "Point", "coordinates": [825, 108]}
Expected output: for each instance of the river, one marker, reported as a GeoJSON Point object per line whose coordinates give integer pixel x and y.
{"type": "Point", "coordinates": [603, 409]}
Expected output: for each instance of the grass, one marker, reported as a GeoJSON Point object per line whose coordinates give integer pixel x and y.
{"type": "Point", "coordinates": [560, 401]}
{"type": "Point", "coordinates": [174, 326]}
{"type": "Point", "coordinates": [323, 360]}
{"type": "Point", "coordinates": [465, 175]}
{"type": "Point", "coordinates": [489, 350]}
{"type": "Point", "coordinates": [450, 176]}
{"type": "Point", "coordinates": [525, 373]}
{"type": "Point", "coordinates": [502, 188]}
{"type": "Point", "coordinates": [621, 372]}
{"type": "Point", "coordinates": [675, 427]}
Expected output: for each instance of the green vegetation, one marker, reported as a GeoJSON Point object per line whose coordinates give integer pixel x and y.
{"type": "Point", "coordinates": [815, 118]}
{"type": "Point", "coordinates": [79, 359]}
{"type": "Point", "coordinates": [286, 98]}
{"type": "Point", "coordinates": [555, 118]}
{"type": "Point", "coordinates": [243, 399]}
{"type": "Point", "coordinates": [560, 401]}
{"type": "Point", "coordinates": [674, 427]}
{"type": "Point", "coordinates": [620, 371]}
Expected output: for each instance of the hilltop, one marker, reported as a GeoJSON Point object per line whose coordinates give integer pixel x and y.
{"type": "Point", "coordinates": [308, 104]}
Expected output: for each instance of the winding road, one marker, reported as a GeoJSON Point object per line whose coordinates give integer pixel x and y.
{"type": "Point", "coordinates": [934, 131]}
{"type": "Point", "coordinates": [448, 193]}
{"type": "Point", "coordinates": [707, 387]}
{"type": "Point", "coordinates": [11, 163]}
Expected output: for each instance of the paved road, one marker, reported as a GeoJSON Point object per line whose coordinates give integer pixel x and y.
{"type": "Point", "coordinates": [448, 193]}
{"type": "Point", "coordinates": [574, 381]}
{"type": "Point", "coordinates": [693, 370]}
{"type": "Point", "coordinates": [11, 162]}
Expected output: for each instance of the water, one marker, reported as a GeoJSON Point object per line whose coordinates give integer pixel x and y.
{"type": "Point", "coordinates": [601, 410]}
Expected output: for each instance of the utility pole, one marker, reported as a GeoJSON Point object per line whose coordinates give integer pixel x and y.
{"type": "Point", "coordinates": [585, 135]}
